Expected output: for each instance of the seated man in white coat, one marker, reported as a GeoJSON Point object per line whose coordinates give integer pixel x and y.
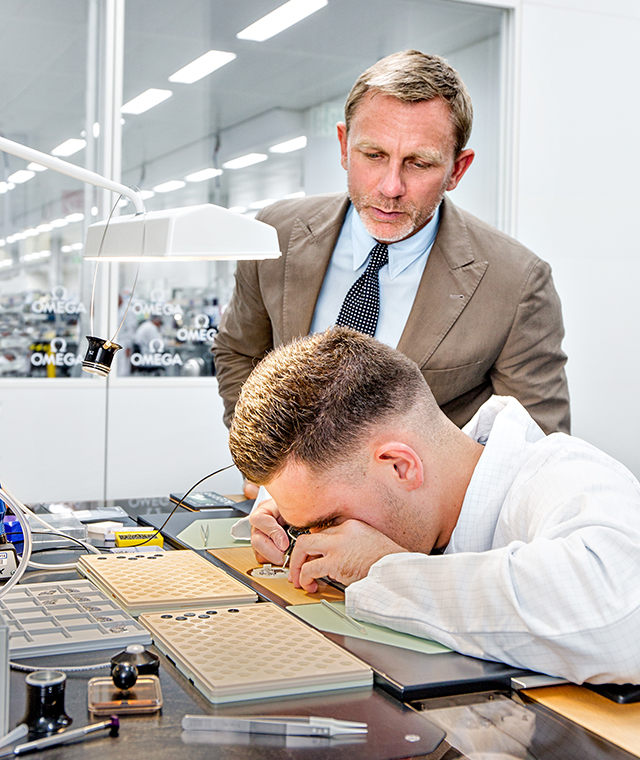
{"type": "Point", "coordinates": [495, 540]}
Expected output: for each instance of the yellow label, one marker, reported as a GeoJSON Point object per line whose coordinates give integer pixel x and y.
{"type": "Point", "coordinates": [138, 537]}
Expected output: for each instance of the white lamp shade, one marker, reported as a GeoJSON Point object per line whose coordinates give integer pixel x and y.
{"type": "Point", "coordinates": [192, 233]}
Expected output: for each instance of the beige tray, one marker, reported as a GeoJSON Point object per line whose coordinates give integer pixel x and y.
{"type": "Point", "coordinates": [176, 580]}
{"type": "Point", "coordinates": [253, 652]}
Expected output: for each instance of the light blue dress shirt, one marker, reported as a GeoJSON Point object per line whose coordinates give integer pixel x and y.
{"type": "Point", "coordinates": [399, 279]}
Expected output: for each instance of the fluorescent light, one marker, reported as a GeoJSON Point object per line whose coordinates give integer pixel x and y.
{"type": "Point", "coordinates": [202, 66]}
{"type": "Point", "coordinates": [5, 187]}
{"type": "Point", "coordinates": [282, 18]}
{"type": "Point", "coordinates": [6, 263]}
{"type": "Point", "coordinates": [249, 160]}
{"type": "Point", "coordinates": [146, 100]}
{"type": "Point", "coordinates": [36, 167]}
{"type": "Point", "coordinates": [94, 211]}
{"type": "Point", "coordinates": [203, 174]}
{"type": "Point", "coordinates": [96, 129]}
{"type": "Point", "coordinates": [263, 203]}
{"type": "Point", "coordinates": [77, 217]}
{"type": "Point", "coordinates": [36, 255]}
{"type": "Point", "coordinates": [59, 223]}
{"type": "Point", "coordinates": [167, 187]}
{"type": "Point", "coordinates": [146, 194]}
{"type": "Point", "coordinates": [31, 232]}
{"type": "Point", "coordinates": [69, 147]}
{"type": "Point", "coordinates": [22, 175]}
{"type": "Point", "coordinates": [44, 228]}
{"type": "Point", "coordinates": [3, 242]}
{"type": "Point", "coordinates": [289, 145]}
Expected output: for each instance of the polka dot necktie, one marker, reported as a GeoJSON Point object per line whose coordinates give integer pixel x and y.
{"type": "Point", "coordinates": [361, 306]}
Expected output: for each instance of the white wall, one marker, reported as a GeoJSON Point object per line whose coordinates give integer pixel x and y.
{"type": "Point", "coordinates": [52, 438]}
{"type": "Point", "coordinates": [579, 195]}
{"type": "Point", "coordinates": [164, 436]}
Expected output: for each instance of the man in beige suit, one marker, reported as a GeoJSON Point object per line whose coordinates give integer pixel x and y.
{"type": "Point", "coordinates": [476, 310]}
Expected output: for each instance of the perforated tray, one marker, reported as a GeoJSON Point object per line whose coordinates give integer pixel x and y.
{"type": "Point", "coordinates": [66, 617]}
{"type": "Point", "coordinates": [253, 652]}
{"type": "Point", "coordinates": [167, 580]}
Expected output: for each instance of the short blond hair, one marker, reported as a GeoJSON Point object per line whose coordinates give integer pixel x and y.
{"type": "Point", "coordinates": [317, 399]}
{"type": "Point", "coordinates": [412, 76]}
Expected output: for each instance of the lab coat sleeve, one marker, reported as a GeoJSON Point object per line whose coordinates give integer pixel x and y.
{"type": "Point", "coordinates": [563, 601]}
{"type": "Point", "coordinates": [530, 366]}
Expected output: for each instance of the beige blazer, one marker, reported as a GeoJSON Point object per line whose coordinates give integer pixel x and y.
{"type": "Point", "coordinates": [486, 317]}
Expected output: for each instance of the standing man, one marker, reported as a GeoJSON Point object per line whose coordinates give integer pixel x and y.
{"type": "Point", "coordinates": [395, 258]}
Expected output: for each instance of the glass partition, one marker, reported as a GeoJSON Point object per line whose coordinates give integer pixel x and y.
{"type": "Point", "coordinates": [46, 85]}
{"type": "Point", "coordinates": [255, 124]}
{"type": "Point", "coordinates": [261, 126]}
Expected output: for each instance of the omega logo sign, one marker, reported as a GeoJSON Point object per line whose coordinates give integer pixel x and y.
{"type": "Point", "coordinates": [59, 357]}
{"type": "Point", "coordinates": [156, 356]}
{"type": "Point", "coordinates": [156, 307]}
{"type": "Point", "coordinates": [57, 303]}
{"type": "Point", "coordinates": [200, 333]}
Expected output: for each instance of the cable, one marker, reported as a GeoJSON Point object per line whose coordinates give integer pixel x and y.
{"type": "Point", "coordinates": [60, 548]}
{"type": "Point", "coordinates": [179, 504]}
{"type": "Point", "coordinates": [70, 669]}
{"type": "Point", "coordinates": [16, 506]}
{"type": "Point", "coordinates": [21, 512]}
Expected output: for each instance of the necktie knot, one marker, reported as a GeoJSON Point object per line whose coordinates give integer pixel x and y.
{"type": "Point", "coordinates": [379, 256]}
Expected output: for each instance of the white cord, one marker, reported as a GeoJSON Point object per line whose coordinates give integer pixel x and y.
{"type": "Point", "coordinates": [16, 506]}
{"type": "Point", "coordinates": [21, 512]}
{"type": "Point", "coordinates": [72, 669]}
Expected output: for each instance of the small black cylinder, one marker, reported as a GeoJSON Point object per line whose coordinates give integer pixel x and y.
{"type": "Point", "coordinates": [45, 702]}
{"type": "Point", "coordinates": [99, 356]}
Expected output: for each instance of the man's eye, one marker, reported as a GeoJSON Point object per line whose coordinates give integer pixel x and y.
{"type": "Point", "coordinates": [325, 525]}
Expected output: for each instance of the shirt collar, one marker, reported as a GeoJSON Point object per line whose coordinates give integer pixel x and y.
{"type": "Point", "coordinates": [401, 254]}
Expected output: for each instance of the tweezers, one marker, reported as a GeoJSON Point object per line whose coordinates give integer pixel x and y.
{"type": "Point", "coordinates": [282, 725]}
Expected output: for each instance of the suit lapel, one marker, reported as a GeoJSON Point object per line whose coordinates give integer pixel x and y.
{"type": "Point", "coordinates": [448, 282]}
{"type": "Point", "coordinates": [310, 247]}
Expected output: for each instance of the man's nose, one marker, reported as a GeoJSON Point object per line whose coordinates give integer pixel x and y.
{"type": "Point", "coordinates": [391, 183]}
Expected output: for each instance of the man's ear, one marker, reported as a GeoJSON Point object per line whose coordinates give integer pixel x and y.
{"type": "Point", "coordinates": [460, 166]}
{"type": "Point", "coordinates": [403, 464]}
{"type": "Point", "coordinates": [342, 138]}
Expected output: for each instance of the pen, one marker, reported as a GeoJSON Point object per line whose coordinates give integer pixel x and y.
{"type": "Point", "coordinates": [283, 725]}
{"type": "Point", "coordinates": [62, 737]}
{"type": "Point", "coordinates": [345, 617]}
{"type": "Point", "coordinates": [17, 733]}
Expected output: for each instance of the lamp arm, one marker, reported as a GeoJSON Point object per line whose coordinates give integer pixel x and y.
{"type": "Point", "coordinates": [71, 170]}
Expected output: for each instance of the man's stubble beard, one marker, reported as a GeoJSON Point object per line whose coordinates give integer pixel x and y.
{"type": "Point", "coordinates": [414, 220]}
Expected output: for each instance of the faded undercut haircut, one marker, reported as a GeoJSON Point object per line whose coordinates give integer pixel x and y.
{"type": "Point", "coordinates": [413, 77]}
{"type": "Point", "coordinates": [315, 400]}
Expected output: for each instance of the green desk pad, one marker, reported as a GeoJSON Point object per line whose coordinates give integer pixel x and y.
{"type": "Point", "coordinates": [219, 534]}
{"type": "Point", "coordinates": [320, 617]}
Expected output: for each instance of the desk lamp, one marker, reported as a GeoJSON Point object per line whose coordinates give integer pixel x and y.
{"type": "Point", "coordinates": [191, 233]}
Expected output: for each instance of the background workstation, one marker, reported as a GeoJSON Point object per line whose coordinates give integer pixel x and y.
{"type": "Point", "coordinates": [556, 167]}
